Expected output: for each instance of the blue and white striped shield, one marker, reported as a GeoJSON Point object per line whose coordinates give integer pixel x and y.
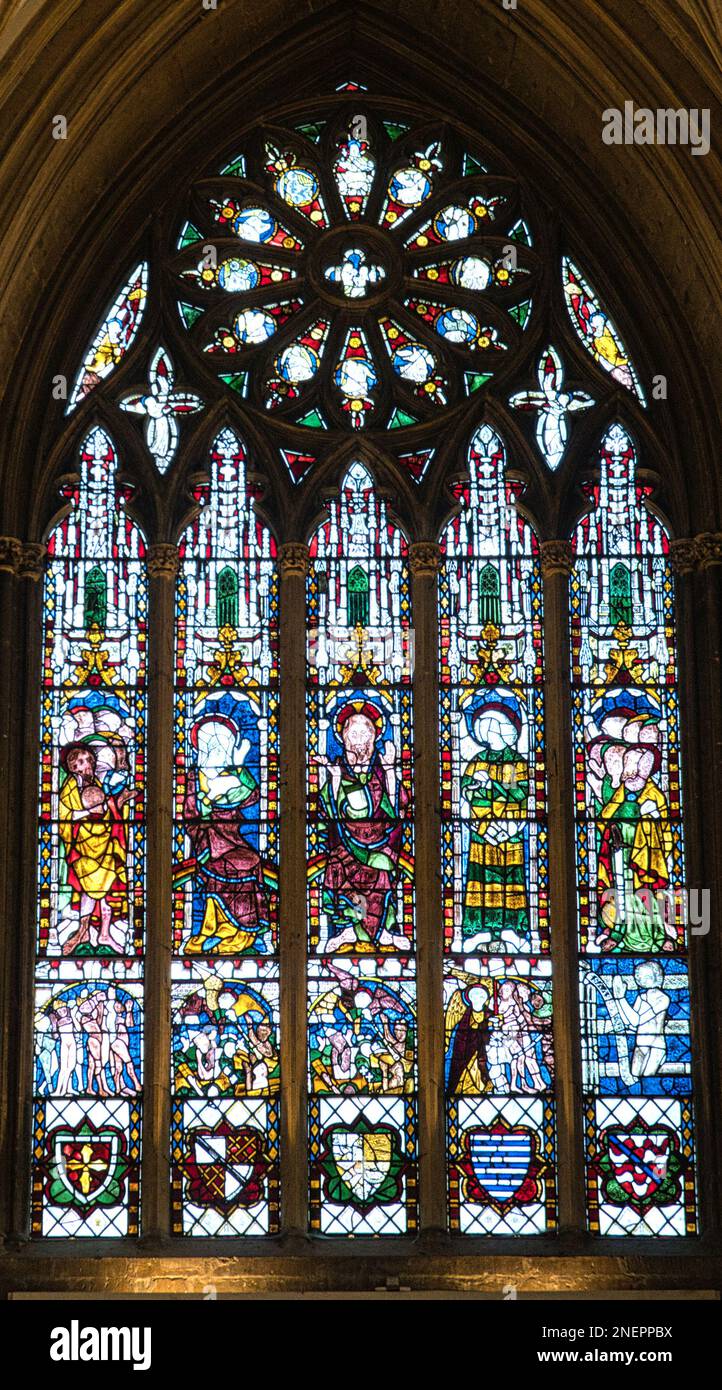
{"type": "Point", "coordinates": [501, 1160]}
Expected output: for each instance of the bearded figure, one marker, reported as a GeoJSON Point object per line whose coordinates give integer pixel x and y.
{"type": "Point", "coordinates": [94, 834]}
{"type": "Point", "coordinates": [361, 809]}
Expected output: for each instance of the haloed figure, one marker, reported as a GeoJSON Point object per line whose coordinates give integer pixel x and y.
{"type": "Point", "coordinates": [231, 911]}
{"type": "Point", "coordinates": [495, 784]}
{"type": "Point", "coordinates": [468, 1033]}
{"type": "Point", "coordinates": [361, 807]}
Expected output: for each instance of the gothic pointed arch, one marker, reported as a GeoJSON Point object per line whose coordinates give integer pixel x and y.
{"type": "Point", "coordinates": [340, 374]}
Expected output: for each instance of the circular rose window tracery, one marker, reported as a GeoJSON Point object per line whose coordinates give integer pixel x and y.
{"type": "Point", "coordinates": [356, 271]}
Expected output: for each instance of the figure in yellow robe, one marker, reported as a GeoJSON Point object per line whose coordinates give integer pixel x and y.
{"type": "Point", "coordinates": [93, 831]}
{"type": "Point", "coordinates": [635, 845]}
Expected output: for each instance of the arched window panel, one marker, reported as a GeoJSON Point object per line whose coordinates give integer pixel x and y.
{"type": "Point", "coordinates": [225, 1024]}
{"type": "Point", "coordinates": [499, 1065]}
{"type": "Point", "coordinates": [362, 977]}
{"type": "Point", "coordinates": [632, 896]}
{"type": "Point", "coordinates": [89, 961]}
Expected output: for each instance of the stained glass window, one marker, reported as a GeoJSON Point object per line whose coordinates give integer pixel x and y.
{"type": "Point", "coordinates": [498, 1046]}
{"type": "Point", "coordinates": [89, 961]}
{"type": "Point", "coordinates": [362, 980]}
{"type": "Point", "coordinates": [162, 407]}
{"type": "Point", "coordinates": [552, 405]}
{"type": "Point", "coordinates": [630, 862]}
{"type": "Point", "coordinates": [354, 287]}
{"type": "Point", "coordinates": [225, 1001]}
{"type": "Point", "coordinates": [114, 336]}
{"type": "Point", "coordinates": [595, 329]}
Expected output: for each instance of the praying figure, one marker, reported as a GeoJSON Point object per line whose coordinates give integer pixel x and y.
{"type": "Point", "coordinates": [468, 1027]}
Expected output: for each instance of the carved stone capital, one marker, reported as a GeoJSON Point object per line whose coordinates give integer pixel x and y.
{"type": "Point", "coordinates": [557, 557]}
{"type": "Point", "coordinates": [10, 552]}
{"type": "Point", "coordinates": [696, 552]}
{"type": "Point", "coordinates": [709, 549]}
{"type": "Point", "coordinates": [293, 559]}
{"type": "Point", "coordinates": [684, 555]}
{"type": "Point", "coordinates": [425, 559]}
{"type": "Point", "coordinates": [163, 561]}
{"type": "Point", "coordinates": [33, 558]}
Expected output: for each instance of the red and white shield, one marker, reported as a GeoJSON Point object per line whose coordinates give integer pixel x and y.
{"type": "Point", "coordinates": [640, 1161]}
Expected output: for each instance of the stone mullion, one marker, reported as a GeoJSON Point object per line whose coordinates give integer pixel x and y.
{"type": "Point", "coordinates": [25, 669]}
{"type": "Point", "coordinates": [292, 921]}
{"type": "Point", "coordinates": [556, 568]}
{"type": "Point", "coordinates": [425, 562]}
{"type": "Point", "coordinates": [155, 1174]}
{"type": "Point", "coordinates": [10, 703]}
{"type": "Point", "coordinates": [698, 564]}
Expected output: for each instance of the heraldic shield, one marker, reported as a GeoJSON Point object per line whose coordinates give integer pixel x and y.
{"type": "Point", "coordinates": [502, 1166]}
{"type": "Point", "coordinates": [226, 1166]}
{"type": "Point", "coordinates": [640, 1167]}
{"type": "Point", "coordinates": [363, 1161]}
{"type": "Point", "coordinates": [363, 1164]}
{"type": "Point", "coordinates": [87, 1167]}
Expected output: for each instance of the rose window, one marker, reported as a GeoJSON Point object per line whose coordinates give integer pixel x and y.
{"type": "Point", "coordinates": [356, 271]}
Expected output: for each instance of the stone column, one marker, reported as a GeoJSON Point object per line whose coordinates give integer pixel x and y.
{"type": "Point", "coordinates": [21, 708]}
{"type": "Point", "coordinates": [293, 561]}
{"type": "Point", "coordinates": [425, 561]}
{"type": "Point", "coordinates": [155, 1178]}
{"type": "Point", "coordinates": [10, 704]}
{"type": "Point", "coordinates": [557, 565]}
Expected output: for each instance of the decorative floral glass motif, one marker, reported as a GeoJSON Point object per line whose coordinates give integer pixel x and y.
{"type": "Point", "coordinates": [225, 976]}
{"type": "Point", "coordinates": [114, 337]}
{"type": "Point", "coordinates": [89, 966]}
{"type": "Point", "coordinates": [498, 997]}
{"type": "Point", "coordinates": [162, 406]}
{"type": "Point", "coordinates": [356, 208]}
{"type": "Point", "coordinates": [362, 1063]}
{"type": "Point", "coordinates": [630, 862]}
{"type": "Point", "coordinates": [552, 406]}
